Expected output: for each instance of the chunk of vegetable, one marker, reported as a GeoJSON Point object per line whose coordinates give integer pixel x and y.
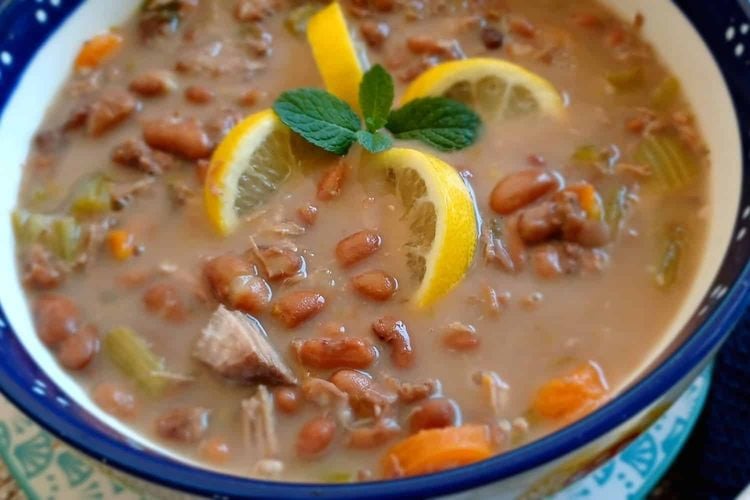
{"type": "Point", "coordinates": [665, 93]}
{"type": "Point", "coordinates": [121, 244]}
{"type": "Point", "coordinates": [617, 205]}
{"type": "Point", "coordinates": [589, 200]}
{"type": "Point", "coordinates": [571, 395]}
{"type": "Point", "coordinates": [670, 258]}
{"type": "Point", "coordinates": [92, 197]}
{"type": "Point", "coordinates": [338, 477]}
{"type": "Point", "coordinates": [434, 450]}
{"type": "Point", "coordinates": [97, 50]}
{"type": "Point", "coordinates": [65, 238]}
{"type": "Point", "coordinates": [130, 353]}
{"type": "Point", "coordinates": [62, 235]}
{"type": "Point", "coordinates": [673, 166]}
{"type": "Point", "coordinates": [626, 80]}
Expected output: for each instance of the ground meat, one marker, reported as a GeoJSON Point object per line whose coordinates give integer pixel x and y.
{"type": "Point", "coordinates": [236, 346]}
{"type": "Point", "coordinates": [112, 108]}
{"type": "Point", "coordinates": [258, 424]}
{"type": "Point", "coordinates": [41, 270]}
{"type": "Point", "coordinates": [185, 425]}
{"type": "Point", "coordinates": [184, 137]}
{"type": "Point", "coordinates": [136, 154]}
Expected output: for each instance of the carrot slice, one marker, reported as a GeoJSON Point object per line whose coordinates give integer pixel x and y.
{"type": "Point", "coordinates": [589, 199]}
{"type": "Point", "coordinates": [121, 244]}
{"type": "Point", "coordinates": [571, 395]}
{"type": "Point", "coordinates": [434, 450]}
{"type": "Point", "coordinates": [97, 50]}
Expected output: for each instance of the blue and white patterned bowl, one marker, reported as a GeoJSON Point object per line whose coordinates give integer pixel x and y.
{"type": "Point", "coordinates": [707, 44]}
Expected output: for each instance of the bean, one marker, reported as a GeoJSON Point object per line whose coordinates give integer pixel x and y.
{"type": "Point", "coordinates": [308, 214]}
{"type": "Point", "coordinates": [280, 263]}
{"type": "Point", "coordinates": [326, 354]}
{"type": "Point", "coordinates": [521, 188]}
{"type": "Point", "coordinates": [222, 270]}
{"type": "Point", "coordinates": [460, 337]}
{"type": "Point", "coordinates": [152, 83]}
{"type": "Point", "coordinates": [423, 44]}
{"type": "Point", "coordinates": [374, 436]}
{"type": "Point", "coordinates": [384, 5]}
{"type": "Point", "coordinates": [164, 300]}
{"type": "Point", "coordinates": [57, 318]}
{"type": "Point", "coordinates": [521, 27]}
{"type": "Point", "coordinates": [111, 109]}
{"type": "Point", "coordinates": [433, 414]}
{"type": "Point", "coordinates": [185, 137]}
{"type": "Point", "coordinates": [215, 450]}
{"type": "Point", "coordinates": [358, 246]}
{"type": "Point", "coordinates": [186, 425]}
{"type": "Point", "coordinates": [364, 395]}
{"type": "Point", "coordinates": [250, 294]}
{"type": "Point", "coordinates": [297, 307]}
{"type": "Point", "coordinates": [591, 234]}
{"type": "Point", "coordinates": [539, 223]}
{"type": "Point", "coordinates": [332, 181]}
{"type": "Point", "coordinates": [395, 333]}
{"type": "Point", "coordinates": [375, 285]}
{"type": "Point", "coordinates": [251, 97]}
{"type": "Point", "coordinates": [287, 400]}
{"type": "Point", "coordinates": [115, 400]}
{"type": "Point", "coordinates": [374, 33]}
{"type": "Point", "coordinates": [40, 270]}
{"type": "Point", "coordinates": [198, 94]}
{"type": "Point", "coordinates": [492, 38]}
{"type": "Point", "coordinates": [315, 436]}
{"type": "Point", "coordinates": [77, 351]}
{"type": "Point", "coordinates": [546, 262]}
{"type": "Point", "coordinates": [411, 392]}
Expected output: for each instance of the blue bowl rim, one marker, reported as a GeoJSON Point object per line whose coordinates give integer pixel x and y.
{"type": "Point", "coordinates": [164, 471]}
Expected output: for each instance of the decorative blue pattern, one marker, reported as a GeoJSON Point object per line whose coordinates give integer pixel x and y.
{"type": "Point", "coordinates": [25, 25]}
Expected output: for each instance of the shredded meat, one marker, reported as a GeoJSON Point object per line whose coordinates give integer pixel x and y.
{"type": "Point", "coordinates": [235, 345]}
{"type": "Point", "coordinates": [137, 154]}
{"type": "Point", "coordinates": [258, 427]}
{"type": "Point", "coordinates": [326, 395]}
{"type": "Point", "coordinates": [411, 392]}
{"type": "Point", "coordinates": [40, 269]}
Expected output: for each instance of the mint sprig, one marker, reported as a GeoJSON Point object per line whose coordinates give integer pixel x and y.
{"type": "Point", "coordinates": [331, 124]}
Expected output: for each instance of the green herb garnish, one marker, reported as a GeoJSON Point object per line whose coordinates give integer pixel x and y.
{"type": "Point", "coordinates": [331, 124]}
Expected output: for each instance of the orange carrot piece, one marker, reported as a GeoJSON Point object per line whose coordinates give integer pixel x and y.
{"type": "Point", "coordinates": [121, 244]}
{"type": "Point", "coordinates": [97, 50]}
{"type": "Point", "coordinates": [589, 199]}
{"type": "Point", "coordinates": [434, 450]}
{"type": "Point", "coordinates": [571, 395]}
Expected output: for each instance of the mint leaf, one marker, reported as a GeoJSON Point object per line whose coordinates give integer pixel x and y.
{"type": "Point", "coordinates": [376, 97]}
{"type": "Point", "coordinates": [374, 142]}
{"type": "Point", "coordinates": [442, 123]}
{"type": "Point", "coordinates": [319, 117]}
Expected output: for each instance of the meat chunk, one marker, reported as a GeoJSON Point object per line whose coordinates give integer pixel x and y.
{"type": "Point", "coordinates": [136, 154]}
{"type": "Point", "coordinates": [109, 110]}
{"type": "Point", "coordinates": [396, 335]}
{"type": "Point", "coordinates": [41, 270]}
{"type": "Point", "coordinates": [235, 345]}
{"type": "Point", "coordinates": [279, 263]}
{"type": "Point", "coordinates": [410, 392]}
{"type": "Point", "coordinates": [184, 137]}
{"type": "Point", "coordinates": [184, 425]}
{"type": "Point", "coordinates": [258, 424]}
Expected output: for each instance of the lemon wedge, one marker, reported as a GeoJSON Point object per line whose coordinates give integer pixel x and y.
{"type": "Point", "coordinates": [492, 87]}
{"type": "Point", "coordinates": [338, 60]}
{"type": "Point", "coordinates": [438, 208]}
{"type": "Point", "coordinates": [249, 165]}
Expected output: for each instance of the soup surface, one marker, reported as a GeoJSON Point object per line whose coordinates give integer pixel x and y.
{"type": "Point", "coordinates": [292, 347]}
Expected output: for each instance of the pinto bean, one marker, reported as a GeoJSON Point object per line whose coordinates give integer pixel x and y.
{"type": "Point", "coordinates": [521, 188]}
{"type": "Point", "coordinates": [137, 155]}
{"type": "Point", "coordinates": [250, 294]}
{"type": "Point", "coordinates": [185, 425]}
{"type": "Point", "coordinates": [198, 94]}
{"type": "Point", "coordinates": [115, 400]}
{"type": "Point", "coordinates": [492, 38]}
{"type": "Point", "coordinates": [371, 437]}
{"type": "Point", "coordinates": [185, 137]}
{"type": "Point", "coordinates": [222, 270]}
{"type": "Point", "coordinates": [215, 450]}
{"type": "Point", "coordinates": [297, 307]}
{"type": "Point", "coordinates": [364, 395]}
{"type": "Point", "coordinates": [590, 234]}
{"type": "Point", "coordinates": [327, 354]}
{"type": "Point", "coordinates": [108, 111]}
{"type": "Point", "coordinates": [374, 33]}
{"type": "Point", "coordinates": [358, 246]}
{"type": "Point", "coordinates": [40, 269]}
{"type": "Point", "coordinates": [251, 97]}
{"type": "Point", "coordinates": [164, 299]}
{"type": "Point", "coordinates": [433, 414]}
{"type": "Point", "coordinates": [287, 400]}
{"type": "Point", "coordinates": [539, 222]}
{"type": "Point", "coordinates": [332, 181]}
{"type": "Point", "coordinates": [308, 214]}
{"type": "Point", "coordinates": [152, 83]}
{"type": "Point", "coordinates": [280, 263]}
{"type": "Point", "coordinates": [546, 262]}
{"type": "Point", "coordinates": [383, 5]}
{"type": "Point", "coordinates": [315, 436]}
{"type": "Point", "coordinates": [460, 337]}
{"type": "Point", "coordinates": [77, 351]}
{"type": "Point", "coordinates": [375, 285]}
{"type": "Point", "coordinates": [394, 332]}
{"type": "Point", "coordinates": [57, 318]}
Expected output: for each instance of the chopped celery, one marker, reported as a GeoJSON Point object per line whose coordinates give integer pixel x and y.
{"type": "Point", "coordinates": [60, 234]}
{"type": "Point", "coordinates": [626, 80]}
{"type": "Point", "coordinates": [669, 261]}
{"type": "Point", "coordinates": [338, 477]}
{"type": "Point", "coordinates": [614, 213]}
{"type": "Point", "coordinates": [588, 154]}
{"type": "Point", "coordinates": [672, 165]}
{"type": "Point", "coordinates": [665, 93]}
{"type": "Point", "coordinates": [92, 197]}
{"type": "Point", "coordinates": [130, 353]}
{"type": "Point", "coordinates": [65, 238]}
{"type": "Point", "coordinates": [30, 227]}
{"type": "Point", "coordinates": [296, 21]}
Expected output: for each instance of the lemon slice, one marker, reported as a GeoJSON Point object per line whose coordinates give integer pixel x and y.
{"type": "Point", "coordinates": [249, 165]}
{"type": "Point", "coordinates": [491, 86]}
{"type": "Point", "coordinates": [339, 62]}
{"type": "Point", "coordinates": [439, 211]}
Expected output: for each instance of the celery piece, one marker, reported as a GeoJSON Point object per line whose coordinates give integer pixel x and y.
{"type": "Point", "coordinates": [28, 226]}
{"type": "Point", "coordinates": [587, 155]}
{"type": "Point", "coordinates": [669, 262]}
{"type": "Point", "coordinates": [64, 238]}
{"type": "Point", "coordinates": [130, 353]}
{"type": "Point", "coordinates": [92, 197]}
{"type": "Point", "coordinates": [673, 166]}
{"type": "Point", "coordinates": [338, 477]}
{"type": "Point", "coordinates": [626, 80]}
{"type": "Point", "coordinates": [665, 93]}
{"type": "Point", "coordinates": [617, 204]}
{"type": "Point", "coordinates": [297, 19]}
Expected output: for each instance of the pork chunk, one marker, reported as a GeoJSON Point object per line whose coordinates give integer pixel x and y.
{"type": "Point", "coordinates": [258, 424]}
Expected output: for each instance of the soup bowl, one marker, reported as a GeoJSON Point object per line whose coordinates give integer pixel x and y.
{"type": "Point", "coordinates": [706, 44]}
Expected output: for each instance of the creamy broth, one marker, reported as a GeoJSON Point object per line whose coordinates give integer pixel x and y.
{"type": "Point", "coordinates": [605, 311]}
